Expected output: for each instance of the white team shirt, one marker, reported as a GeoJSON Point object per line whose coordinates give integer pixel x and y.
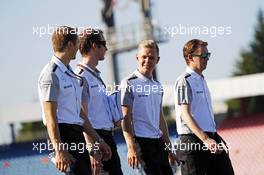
{"type": "Point", "coordinates": [191, 88]}
{"type": "Point", "coordinates": [98, 107]}
{"type": "Point", "coordinates": [144, 95]}
{"type": "Point", "coordinates": [58, 83]}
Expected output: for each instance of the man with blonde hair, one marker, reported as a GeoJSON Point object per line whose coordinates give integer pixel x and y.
{"type": "Point", "coordinates": [144, 127]}
{"type": "Point", "coordinates": [62, 93]}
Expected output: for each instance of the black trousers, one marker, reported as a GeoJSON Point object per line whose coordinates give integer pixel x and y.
{"type": "Point", "coordinates": [196, 160]}
{"type": "Point", "coordinates": [112, 166]}
{"type": "Point", "coordinates": [73, 135]}
{"type": "Point", "coordinates": [155, 156]}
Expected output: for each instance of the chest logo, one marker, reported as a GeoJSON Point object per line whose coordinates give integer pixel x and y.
{"type": "Point", "coordinates": [142, 95]}
{"type": "Point", "coordinates": [68, 86]}
{"type": "Point", "coordinates": [94, 86]}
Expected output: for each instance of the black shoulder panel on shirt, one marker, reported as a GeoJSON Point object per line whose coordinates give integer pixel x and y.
{"type": "Point", "coordinates": [156, 81]}
{"type": "Point", "coordinates": [133, 77]}
{"type": "Point", "coordinates": [187, 75]}
{"type": "Point", "coordinates": [55, 66]}
{"type": "Point", "coordinates": [81, 71]}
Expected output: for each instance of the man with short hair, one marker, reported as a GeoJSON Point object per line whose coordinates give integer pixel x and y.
{"type": "Point", "coordinates": [61, 94]}
{"type": "Point", "coordinates": [92, 48]}
{"type": "Point", "coordinates": [195, 119]}
{"type": "Point", "coordinates": [144, 127]}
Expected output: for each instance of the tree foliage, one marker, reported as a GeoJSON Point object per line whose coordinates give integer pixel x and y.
{"type": "Point", "coordinates": [251, 62]}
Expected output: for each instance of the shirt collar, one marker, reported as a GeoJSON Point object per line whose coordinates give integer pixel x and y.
{"type": "Point", "coordinates": [96, 71]}
{"type": "Point", "coordinates": [193, 73]}
{"type": "Point", "coordinates": [139, 75]}
{"type": "Point", "coordinates": [58, 62]}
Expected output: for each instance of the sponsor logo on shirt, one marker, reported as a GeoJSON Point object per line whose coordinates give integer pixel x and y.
{"type": "Point", "coordinates": [142, 95]}
{"type": "Point", "coordinates": [94, 86]}
{"type": "Point", "coordinates": [68, 86]}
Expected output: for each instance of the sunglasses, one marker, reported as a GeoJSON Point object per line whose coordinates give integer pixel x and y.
{"type": "Point", "coordinates": [203, 55]}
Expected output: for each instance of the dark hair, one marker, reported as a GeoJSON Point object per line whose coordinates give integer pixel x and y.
{"type": "Point", "coordinates": [87, 37]}
{"type": "Point", "coordinates": [61, 37]}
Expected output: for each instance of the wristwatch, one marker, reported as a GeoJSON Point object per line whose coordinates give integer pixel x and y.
{"type": "Point", "coordinates": [99, 140]}
{"type": "Point", "coordinates": [93, 152]}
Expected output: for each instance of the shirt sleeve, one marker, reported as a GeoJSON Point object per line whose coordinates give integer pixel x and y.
{"type": "Point", "coordinates": [183, 92]}
{"type": "Point", "coordinates": [127, 97]}
{"type": "Point", "coordinates": [162, 94]}
{"type": "Point", "coordinates": [49, 87]}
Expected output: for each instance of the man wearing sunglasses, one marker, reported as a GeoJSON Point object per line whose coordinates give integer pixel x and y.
{"type": "Point", "coordinates": [205, 152]}
{"type": "Point", "coordinates": [62, 95]}
{"type": "Point", "coordinates": [92, 48]}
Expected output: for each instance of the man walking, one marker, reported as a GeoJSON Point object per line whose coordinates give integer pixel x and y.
{"type": "Point", "coordinates": [61, 94]}
{"type": "Point", "coordinates": [144, 126]}
{"type": "Point", "coordinates": [195, 119]}
{"type": "Point", "coordinates": [92, 48]}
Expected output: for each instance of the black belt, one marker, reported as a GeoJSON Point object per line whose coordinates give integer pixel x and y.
{"type": "Point", "coordinates": [213, 135]}
{"type": "Point", "coordinates": [104, 132]}
{"type": "Point", "coordinates": [74, 127]}
{"type": "Point", "coordinates": [210, 134]}
{"type": "Point", "coordinates": [149, 140]}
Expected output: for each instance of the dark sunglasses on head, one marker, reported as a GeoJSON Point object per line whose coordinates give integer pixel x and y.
{"type": "Point", "coordinates": [203, 55]}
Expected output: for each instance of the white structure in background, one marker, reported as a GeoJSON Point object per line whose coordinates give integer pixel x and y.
{"type": "Point", "coordinates": [224, 89]}
{"type": "Point", "coordinates": [221, 90]}
{"type": "Point", "coordinates": [20, 113]}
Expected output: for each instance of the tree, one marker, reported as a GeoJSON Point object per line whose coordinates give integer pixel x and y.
{"type": "Point", "coordinates": [252, 61]}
